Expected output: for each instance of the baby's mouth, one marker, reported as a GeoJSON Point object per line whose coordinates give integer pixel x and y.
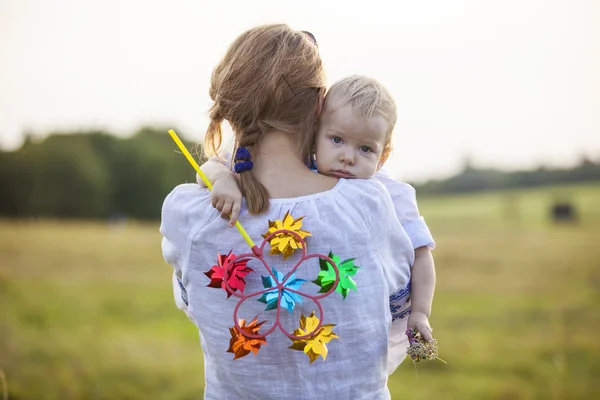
{"type": "Point", "coordinates": [342, 173]}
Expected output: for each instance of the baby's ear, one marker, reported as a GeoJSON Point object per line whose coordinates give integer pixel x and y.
{"type": "Point", "coordinates": [384, 156]}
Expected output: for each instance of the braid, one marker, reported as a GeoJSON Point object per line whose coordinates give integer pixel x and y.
{"type": "Point", "coordinates": [257, 196]}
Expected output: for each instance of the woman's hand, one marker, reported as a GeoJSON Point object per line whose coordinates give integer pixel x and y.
{"type": "Point", "coordinates": [227, 198]}
{"type": "Point", "coordinates": [420, 322]}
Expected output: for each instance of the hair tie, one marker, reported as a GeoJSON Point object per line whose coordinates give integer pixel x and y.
{"type": "Point", "coordinates": [243, 166]}
{"type": "Point", "coordinates": [242, 154]}
{"type": "Point", "coordinates": [243, 160]}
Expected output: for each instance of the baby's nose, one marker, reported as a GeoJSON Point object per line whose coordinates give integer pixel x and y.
{"type": "Point", "coordinates": [347, 157]}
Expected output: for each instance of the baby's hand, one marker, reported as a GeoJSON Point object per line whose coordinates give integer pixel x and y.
{"type": "Point", "coordinates": [227, 198]}
{"type": "Point", "coordinates": [420, 322]}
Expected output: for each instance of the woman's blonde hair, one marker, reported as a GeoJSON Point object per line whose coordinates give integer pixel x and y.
{"type": "Point", "coordinates": [270, 79]}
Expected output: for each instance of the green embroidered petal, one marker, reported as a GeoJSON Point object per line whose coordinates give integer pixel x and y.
{"type": "Point", "coordinates": [326, 277]}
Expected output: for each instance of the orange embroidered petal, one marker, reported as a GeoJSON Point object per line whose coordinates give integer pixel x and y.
{"type": "Point", "coordinates": [241, 345]}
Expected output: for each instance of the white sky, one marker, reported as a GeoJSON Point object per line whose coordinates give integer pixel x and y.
{"type": "Point", "coordinates": [512, 83]}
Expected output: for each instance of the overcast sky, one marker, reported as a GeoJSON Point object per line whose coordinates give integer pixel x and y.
{"type": "Point", "coordinates": [512, 84]}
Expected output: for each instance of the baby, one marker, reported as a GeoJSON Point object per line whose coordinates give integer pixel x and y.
{"type": "Point", "coordinates": [353, 141]}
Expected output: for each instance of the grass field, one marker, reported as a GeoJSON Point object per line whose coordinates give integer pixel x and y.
{"type": "Point", "coordinates": [86, 309]}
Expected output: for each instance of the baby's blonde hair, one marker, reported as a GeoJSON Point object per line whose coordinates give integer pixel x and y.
{"type": "Point", "coordinates": [365, 96]}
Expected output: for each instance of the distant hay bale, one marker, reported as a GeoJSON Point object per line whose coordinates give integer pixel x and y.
{"type": "Point", "coordinates": [563, 212]}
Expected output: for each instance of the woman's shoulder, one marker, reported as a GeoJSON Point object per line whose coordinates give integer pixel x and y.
{"type": "Point", "coordinates": [365, 187]}
{"type": "Point", "coordinates": [394, 185]}
{"type": "Point", "coordinates": [184, 196]}
{"type": "Point", "coordinates": [366, 190]}
{"type": "Point", "coordinates": [189, 205]}
{"type": "Point", "coordinates": [184, 206]}
{"type": "Point", "coordinates": [369, 198]}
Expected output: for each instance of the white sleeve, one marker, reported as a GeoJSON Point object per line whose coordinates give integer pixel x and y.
{"type": "Point", "coordinates": [175, 229]}
{"type": "Point", "coordinates": [172, 257]}
{"type": "Point", "coordinates": [405, 203]}
{"type": "Point", "coordinates": [391, 242]}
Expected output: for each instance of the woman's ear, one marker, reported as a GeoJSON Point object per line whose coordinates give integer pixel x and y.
{"type": "Point", "coordinates": [320, 102]}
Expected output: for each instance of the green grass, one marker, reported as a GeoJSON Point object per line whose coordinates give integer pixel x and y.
{"type": "Point", "coordinates": [86, 309]}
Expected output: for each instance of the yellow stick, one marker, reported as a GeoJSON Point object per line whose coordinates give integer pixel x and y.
{"type": "Point", "coordinates": [194, 164]}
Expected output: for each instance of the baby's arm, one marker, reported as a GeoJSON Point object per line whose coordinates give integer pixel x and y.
{"type": "Point", "coordinates": [226, 194]}
{"type": "Point", "coordinates": [405, 203]}
{"type": "Point", "coordinates": [423, 270]}
{"type": "Point", "coordinates": [422, 284]}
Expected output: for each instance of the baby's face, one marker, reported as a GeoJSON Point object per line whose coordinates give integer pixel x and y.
{"type": "Point", "coordinates": [349, 147]}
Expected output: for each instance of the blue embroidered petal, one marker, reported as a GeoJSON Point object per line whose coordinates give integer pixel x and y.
{"type": "Point", "coordinates": [295, 283]}
{"type": "Point", "coordinates": [267, 281]}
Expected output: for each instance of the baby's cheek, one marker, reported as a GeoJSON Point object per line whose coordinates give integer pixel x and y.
{"type": "Point", "coordinates": [373, 167]}
{"type": "Point", "coordinates": [320, 163]}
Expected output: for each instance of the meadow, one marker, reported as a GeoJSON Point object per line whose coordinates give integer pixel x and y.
{"type": "Point", "coordinates": [87, 312]}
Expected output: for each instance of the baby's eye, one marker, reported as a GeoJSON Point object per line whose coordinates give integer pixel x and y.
{"type": "Point", "coordinates": [364, 149]}
{"type": "Point", "coordinates": [337, 139]}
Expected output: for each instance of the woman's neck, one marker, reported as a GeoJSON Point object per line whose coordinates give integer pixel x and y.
{"type": "Point", "coordinates": [278, 165]}
{"type": "Point", "coordinates": [276, 150]}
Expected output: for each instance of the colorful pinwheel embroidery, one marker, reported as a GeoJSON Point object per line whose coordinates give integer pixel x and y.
{"type": "Point", "coordinates": [282, 291]}
{"type": "Point", "coordinates": [240, 344]}
{"type": "Point", "coordinates": [326, 278]}
{"type": "Point", "coordinates": [316, 344]}
{"type": "Point", "coordinates": [236, 270]}
{"type": "Point", "coordinates": [288, 298]}
{"type": "Point", "coordinates": [283, 242]}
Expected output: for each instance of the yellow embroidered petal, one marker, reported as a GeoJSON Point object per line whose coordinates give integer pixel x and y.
{"type": "Point", "coordinates": [288, 220]}
{"type": "Point", "coordinates": [312, 356]}
{"type": "Point", "coordinates": [317, 347]}
{"type": "Point", "coordinates": [282, 244]}
{"type": "Point", "coordinates": [316, 344]}
{"type": "Point", "coordinates": [303, 234]}
{"type": "Point", "coordinates": [286, 243]}
{"type": "Point", "coordinates": [288, 252]}
{"type": "Point", "coordinates": [296, 225]}
{"type": "Point", "coordinates": [302, 324]}
{"type": "Point", "coordinates": [311, 323]}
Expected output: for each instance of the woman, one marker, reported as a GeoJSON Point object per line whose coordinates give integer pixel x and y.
{"type": "Point", "coordinates": [269, 87]}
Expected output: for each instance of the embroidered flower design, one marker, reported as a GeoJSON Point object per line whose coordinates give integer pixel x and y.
{"type": "Point", "coordinates": [288, 298]}
{"type": "Point", "coordinates": [326, 278]}
{"type": "Point", "coordinates": [240, 344]}
{"type": "Point", "coordinates": [315, 345]}
{"type": "Point", "coordinates": [236, 271]}
{"type": "Point", "coordinates": [284, 242]}
{"type": "Point", "coordinates": [281, 291]}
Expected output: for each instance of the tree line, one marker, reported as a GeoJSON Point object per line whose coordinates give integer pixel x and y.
{"type": "Point", "coordinates": [480, 179]}
{"type": "Point", "coordinates": [92, 175]}
{"type": "Point", "coordinates": [99, 175]}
